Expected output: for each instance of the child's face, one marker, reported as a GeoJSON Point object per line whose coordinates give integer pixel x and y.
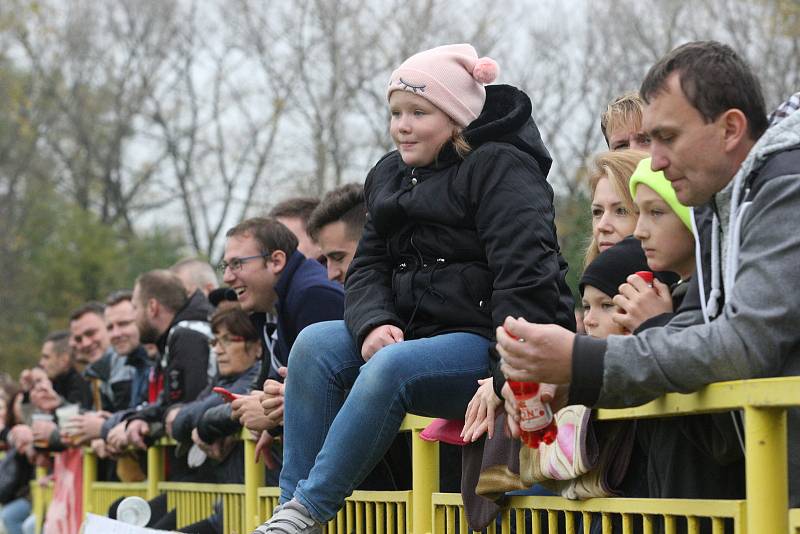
{"type": "Point", "coordinates": [667, 243]}
{"type": "Point", "coordinates": [598, 309]}
{"type": "Point", "coordinates": [418, 128]}
{"type": "Point", "coordinates": [611, 220]}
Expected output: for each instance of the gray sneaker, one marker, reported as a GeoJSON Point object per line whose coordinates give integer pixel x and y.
{"type": "Point", "coordinates": [290, 518]}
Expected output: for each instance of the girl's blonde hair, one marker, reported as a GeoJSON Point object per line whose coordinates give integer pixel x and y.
{"type": "Point", "coordinates": [460, 144]}
{"type": "Point", "coordinates": [617, 166]}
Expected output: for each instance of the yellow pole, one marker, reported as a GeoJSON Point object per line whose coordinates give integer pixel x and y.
{"type": "Point", "coordinates": [425, 481]}
{"type": "Point", "coordinates": [253, 479]}
{"type": "Point", "coordinates": [89, 477]}
{"type": "Point", "coordinates": [155, 469]}
{"type": "Point", "coordinates": [766, 469]}
{"type": "Point", "coordinates": [38, 498]}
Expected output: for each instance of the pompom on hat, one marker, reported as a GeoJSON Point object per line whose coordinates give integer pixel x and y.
{"type": "Point", "coordinates": [451, 77]}
{"type": "Point", "coordinates": [655, 180]}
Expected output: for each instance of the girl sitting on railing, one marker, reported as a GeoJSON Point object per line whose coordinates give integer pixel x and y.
{"type": "Point", "coordinates": [460, 234]}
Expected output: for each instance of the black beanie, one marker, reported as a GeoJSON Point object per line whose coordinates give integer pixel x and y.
{"type": "Point", "coordinates": [612, 267]}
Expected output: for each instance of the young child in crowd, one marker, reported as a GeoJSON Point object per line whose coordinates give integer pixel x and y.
{"type": "Point", "coordinates": [681, 457]}
{"type": "Point", "coordinates": [664, 228]}
{"type": "Point", "coordinates": [460, 234]}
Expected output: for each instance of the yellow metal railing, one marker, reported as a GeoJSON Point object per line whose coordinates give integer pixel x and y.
{"type": "Point", "coordinates": [794, 521]}
{"type": "Point", "coordinates": [422, 510]}
{"type": "Point", "coordinates": [764, 403]}
{"type": "Point", "coordinates": [40, 496]}
{"type": "Point", "coordinates": [384, 512]}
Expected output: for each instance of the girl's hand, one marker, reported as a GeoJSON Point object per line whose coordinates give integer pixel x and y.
{"type": "Point", "coordinates": [380, 337]}
{"type": "Point", "coordinates": [480, 414]}
{"type": "Point", "coordinates": [640, 302]}
{"type": "Point", "coordinates": [512, 412]}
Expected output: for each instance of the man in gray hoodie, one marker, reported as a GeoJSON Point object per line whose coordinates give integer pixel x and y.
{"type": "Point", "coordinates": [706, 116]}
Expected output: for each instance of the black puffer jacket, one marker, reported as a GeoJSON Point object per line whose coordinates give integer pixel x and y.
{"type": "Point", "coordinates": [459, 245]}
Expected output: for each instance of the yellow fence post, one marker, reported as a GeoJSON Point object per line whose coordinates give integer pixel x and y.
{"type": "Point", "coordinates": [89, 477]}
{"type": "Point", "coordinates": [155, 469]}
{"type": "Point", "coordinates": [38, 498]}
{"type": "Point", "coordinates": [425, 478]}
{"type": "Point", "coordinates": [253, 479]}
{"type": "Point", "coordinates": [766, 470]}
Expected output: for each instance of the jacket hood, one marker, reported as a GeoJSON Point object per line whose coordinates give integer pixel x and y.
{"type": "Point", "coordinates": [782, 136]}
{"type": "Point", "coordinates": [505, 118]}
{"type": "Point", "coordinates": [197, 308]}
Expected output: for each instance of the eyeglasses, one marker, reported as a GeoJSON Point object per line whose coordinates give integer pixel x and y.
{"type": "Point", "coordinates": [236, 263]}
{"type": "Point", "coordinates": [224, 341]}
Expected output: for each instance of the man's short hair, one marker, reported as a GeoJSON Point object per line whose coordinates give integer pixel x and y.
{"type": "Point", "coordinates": [199, 271]}
{"type": "Point", "coordinates": [299, 207]}
{"type": "Point", "coordinates": [163, 286]}
{"type": "Point", "coordinates": [624, 110]}
{"type": "Point", "coordinates": [121, 295]}
{"type": "Point", "coordinates": [714, 79]}
{"type": "Point", "coordinates": [90, 307]}
{"type": "Point", "coordinates": [270, 234]}
{"type": "Point", "coordinates": [60, 341]}
{"type": "Point", "coordinates": [346, 204]}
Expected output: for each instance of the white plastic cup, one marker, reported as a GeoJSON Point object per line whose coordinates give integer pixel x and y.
{"type": "Point", "coordinates": [134, 511]}
{"type": "Point", "coordinates": [196, 456]}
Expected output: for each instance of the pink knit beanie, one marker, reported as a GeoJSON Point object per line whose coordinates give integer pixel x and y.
{"type": "Point", "coordinates": [451, 77]}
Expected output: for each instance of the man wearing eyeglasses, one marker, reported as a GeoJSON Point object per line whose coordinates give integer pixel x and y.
{"type": "Point", "coordinates": [270, 275]}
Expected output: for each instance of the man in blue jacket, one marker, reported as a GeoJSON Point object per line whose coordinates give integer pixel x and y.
{"type": "Point", "coordinates": [270, 276]}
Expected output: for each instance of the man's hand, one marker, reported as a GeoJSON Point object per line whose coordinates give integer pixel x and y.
{"type": "Point", "coordinates": [273, 398]}
{"type": "Point", "coordinates": [248, 411]}
{"type": "Point", "coordinates": [42, 430]}
{"type": "Point", "coordinates": [26, 380]}
{"type": "Point", "coordinates": [170, 419]}
{"type": "Point", "coordinates": [137, 430]}
{"type": "Point", "coordinates": [640, 301]}
{"type": "Point", "coordinates": [117, 439]}
{"type": "Point", "coordinates": [479, 418]}
{"type": "Point", "coordinates": [380, 337]}
{"type": "Point", "coordinates": [21, 436]}
{"type": "Point", "coordinates": [535, 352]}
{"type": "Point", "coordinates": [217, 450]}
{"type": "Point", "coordinates": [99, 448]}
{"type": "Point", "coordinates": [87, 427]}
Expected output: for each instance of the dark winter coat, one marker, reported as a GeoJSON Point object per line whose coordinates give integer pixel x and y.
{"type": "Point", "coordinates": [459, 245]}
{"type": "Point", "coordinates": [305, 296]}
{"type": "Point", "coordinates": [185, 358]}
{"type": "Point", "coordinates": [73, 388]}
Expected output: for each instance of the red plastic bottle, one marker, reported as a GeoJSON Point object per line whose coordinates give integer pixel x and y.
{"type": "Point", "coordinates": [647, 276]}
{"type": "Point", "coordinates": [537, 424]}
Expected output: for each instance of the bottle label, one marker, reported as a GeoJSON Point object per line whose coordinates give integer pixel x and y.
{"type": "Point", "coordinates": [534, 415]}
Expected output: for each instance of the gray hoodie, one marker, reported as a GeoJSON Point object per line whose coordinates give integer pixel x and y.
{"type": "Point", "coordinates": [751, 310]}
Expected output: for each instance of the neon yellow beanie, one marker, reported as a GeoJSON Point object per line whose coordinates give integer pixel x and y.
{"type": "Point", "coordinates": [659, 183]}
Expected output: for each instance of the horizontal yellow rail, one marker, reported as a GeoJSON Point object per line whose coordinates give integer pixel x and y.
{"type": "Point", "coordinates": [763, 402]}
{"type": "Point", "coordinates": [720, 397]}
{"type": "Point", "coordinates": [794, 521]}
{"type": "Point", "coordinates": [633, 515]}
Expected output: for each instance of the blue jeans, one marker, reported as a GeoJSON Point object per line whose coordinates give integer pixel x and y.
{"type": "Point", "coordinates": [14, 515]}
{"type": "Point", "coordinates": [333, 438]}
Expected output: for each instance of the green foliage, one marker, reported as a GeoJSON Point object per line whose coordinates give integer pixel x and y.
{"type": "Point", "coordinates": [574, 232]}
{"type": "Point", "coordinates": [62, 257]}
